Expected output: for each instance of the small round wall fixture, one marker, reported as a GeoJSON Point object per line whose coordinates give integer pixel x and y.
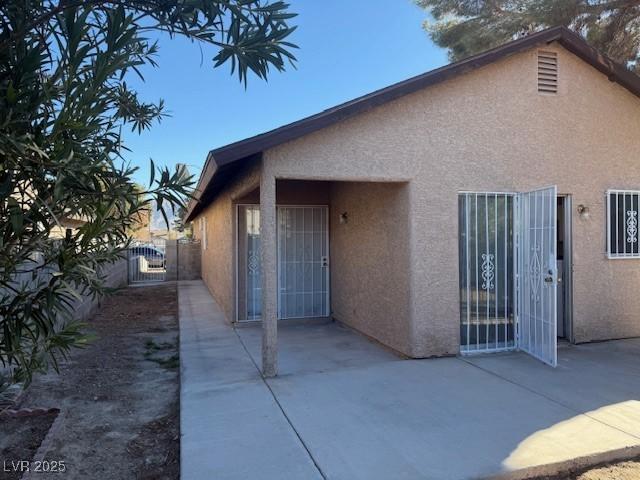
{"type": "Point", "coordinates": [583, 211]}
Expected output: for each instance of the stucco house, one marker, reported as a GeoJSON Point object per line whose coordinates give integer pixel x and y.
{"type": "Point", "coordinates": [488, 205]}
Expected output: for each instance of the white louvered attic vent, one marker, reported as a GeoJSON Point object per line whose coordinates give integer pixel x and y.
{"type": "Point", "coordinates": [547, 72]}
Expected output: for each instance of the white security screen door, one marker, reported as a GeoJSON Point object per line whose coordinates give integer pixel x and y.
{"type": "Point", "coordinates": [537, 274]}
{"type": "Point", "coordinates": [303, 262]}
{"type": "Point", "coordinates": [486, 272]}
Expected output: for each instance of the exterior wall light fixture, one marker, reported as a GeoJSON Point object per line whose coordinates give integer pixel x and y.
{"type": "Point", "coordinates": [583, 211]}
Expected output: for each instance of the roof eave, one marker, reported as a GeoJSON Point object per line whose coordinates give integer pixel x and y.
{"type": "Point", "coordinates": [238, 151]}
{"type": "Point", "coordinates": [209, 170]}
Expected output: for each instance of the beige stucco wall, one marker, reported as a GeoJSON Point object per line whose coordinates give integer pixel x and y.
{"type": "Point", "coordinates": [370, 260]}
{"type": "Point", "coordinates": [218, 256]}
{"type": "Point", "coordinates": [490, 130]}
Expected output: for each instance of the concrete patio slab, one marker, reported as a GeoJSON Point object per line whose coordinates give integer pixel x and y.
{"type": "Point", "coordinates": [315, 347]}
{"type": "Point", "coordinates": [439, 419]}
{"type": "Point", "coordinates": [601, 380]}
{"type": "Point", "coordinates": [345, 408]}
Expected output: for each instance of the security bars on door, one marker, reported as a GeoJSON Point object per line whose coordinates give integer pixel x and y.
{"type": "Point", "coordinates": [537, 274]}
{"type": "Point", "coordinates": [249, 275]}
{"type": "Point", "coordinates": [486, 272]}
{"type": "Point", "coordinates": [622, 224]}
{"type": "Point", "coordinates": [303, 262]}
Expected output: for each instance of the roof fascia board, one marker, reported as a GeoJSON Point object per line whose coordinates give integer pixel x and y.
{"type": "Point", "coordinates": [208, 172]}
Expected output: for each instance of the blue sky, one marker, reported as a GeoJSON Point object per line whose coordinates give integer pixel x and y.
{"type": "Point", "coordinates": [347, 48]}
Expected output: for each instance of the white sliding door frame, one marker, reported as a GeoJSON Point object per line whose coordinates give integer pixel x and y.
{"type": "Point", "coordinates": [236, 223]}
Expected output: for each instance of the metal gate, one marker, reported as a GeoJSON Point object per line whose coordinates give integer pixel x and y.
{"type": "Point", "coordinates": [147, 261]}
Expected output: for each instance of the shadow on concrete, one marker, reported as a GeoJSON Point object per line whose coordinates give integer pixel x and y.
{"type": "Point", "coordinates": [316, 347]}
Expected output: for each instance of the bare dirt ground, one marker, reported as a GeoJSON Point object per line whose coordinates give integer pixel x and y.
{"type": "Point", "coordinates": [629, 470]}
{"type": "Point", "coordinates": [620, 471]}
{"type": "Point", "coordinates": [21, 438]}
{"type": "Point", "coordinates": [118, 397]}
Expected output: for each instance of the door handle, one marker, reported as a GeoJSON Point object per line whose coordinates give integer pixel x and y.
{"type": "Point", "coordinates": [324, 261]}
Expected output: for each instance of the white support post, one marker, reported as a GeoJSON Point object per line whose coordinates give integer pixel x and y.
{"type": "Point", "coordinates": [268, 245]}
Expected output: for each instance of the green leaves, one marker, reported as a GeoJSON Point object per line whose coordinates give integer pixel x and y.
{"type": "Point", "coordinates": [152, 169]}
{"type": "Point", "coordinates": [468, 27]}
{"type": "Point", "coordinates": [15, 216]}
{"type": "Point", "coordinates": [253, 38]}
{"type": "Point", "coordinates": [11, 94]}
{"type": "Point", "coordinates": [64, 100]}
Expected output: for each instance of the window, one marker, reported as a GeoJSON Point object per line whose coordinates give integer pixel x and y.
{"type": "Point", "coordinates": [203, 233]}
{"type": "Point", "coordinates": [622, 223]}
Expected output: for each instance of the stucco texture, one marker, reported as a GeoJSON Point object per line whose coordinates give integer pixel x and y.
{"type": "Point", "coordinates": [490, 130]}
{"type": "Point", "coordinates": [218, 252]}
{"type": "Point", "coordinates": [370, 260]}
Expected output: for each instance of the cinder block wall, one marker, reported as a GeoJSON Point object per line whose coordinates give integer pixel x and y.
{"type": "Point", "coordinates": [189, 266]}
{"type": "Point", "coordinates": [183, 260]}
{"type": "Point", "coordinates": [171, 260]}
{"type": "Point", "coordinates": [116, 276]}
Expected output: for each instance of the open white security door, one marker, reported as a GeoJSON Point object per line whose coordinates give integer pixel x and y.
{"type": "Point", "coordinates": [537, 274]}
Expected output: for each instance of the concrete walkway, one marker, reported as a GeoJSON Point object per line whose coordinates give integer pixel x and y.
{"type": "Point", "coordinates": [231, 426]}
{"type": "Point", "coordinates": [345, 408]}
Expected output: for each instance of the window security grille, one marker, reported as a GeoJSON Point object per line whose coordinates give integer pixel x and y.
{"type": "Point", "coordinates": [622, 224]}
